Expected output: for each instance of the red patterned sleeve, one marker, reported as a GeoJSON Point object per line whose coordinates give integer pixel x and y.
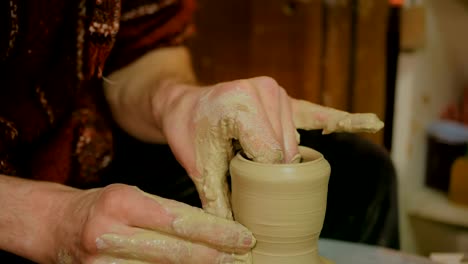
{"type": "Point", "coordinates": [8, 140]}
{"type": "Point", "coordinates": [146, 25]}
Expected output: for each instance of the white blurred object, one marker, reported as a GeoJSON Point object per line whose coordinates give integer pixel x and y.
{"type": "Point", "coordinates": [449, 258]}
{"type": "Point", "coordinates": [345, 252]}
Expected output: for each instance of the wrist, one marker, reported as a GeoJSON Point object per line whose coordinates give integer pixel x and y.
{"type": "Point", "coordinates": [134, 91]}
{"type": "Point", "coordinates": [169, 100]}
{"type": "Point", "coordinates": [31, 212]}
{"type": "Point", "coordinates": [55, 219]}
{"type": "Point", "coordinates": [45, 237]}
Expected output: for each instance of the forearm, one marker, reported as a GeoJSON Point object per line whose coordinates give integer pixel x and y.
{"type": "Point", "coordinates": [139, 93]}
{"type": "Point", "coordinates": [29, 209]}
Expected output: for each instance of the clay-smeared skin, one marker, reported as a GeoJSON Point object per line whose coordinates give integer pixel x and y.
{"type": "Point", "coordinates": [165, 231]}
{"type": "Point", "coordinates": [256, 112]}
{"type": "Point", "coordinates": [310, 116]}
{"type": "Point", "coordinates": [199, 124]}
{"type": "Point", "coordinates": [155, 99]}
{"type": "Point", "coordinates": [217, 125]}
{"type": "Point", "coordinates": [262, 117]}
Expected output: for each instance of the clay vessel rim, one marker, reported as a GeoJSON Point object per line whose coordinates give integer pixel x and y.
{"type": "Point", "coordinates": [303, 150]}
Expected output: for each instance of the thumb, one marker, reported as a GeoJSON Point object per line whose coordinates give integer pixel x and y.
{"type": "Point", "coordinates": [212, 184]}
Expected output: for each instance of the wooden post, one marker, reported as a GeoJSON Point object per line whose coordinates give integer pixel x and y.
{"type": "Point", "coordinates": [369, 66]}
{"type": "Point", "coordinates": [337, 54]}
{"type": "Point", "coordinates": [286, 45]}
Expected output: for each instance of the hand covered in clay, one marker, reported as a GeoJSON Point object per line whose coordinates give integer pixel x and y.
{"type": "Point", "coordinates": [122, 224]}
{"type": "Point", "coordinates": [202, 123]}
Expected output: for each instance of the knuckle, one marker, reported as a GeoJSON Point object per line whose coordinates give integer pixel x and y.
{"type": "Point", "coordinates": [233, 93]}
{"type": "Point", "coordinates": [249, 86]}
{"type": "Point", "coordinates": [114, 196]}
{"type": "Point", "coordinates": [282, 91]}
{"type": "Point", "coordinates": [270, 91]}
{"type": "Point", "coordinates": [238, 86]}
{"type": "Point", "coordinates": [89, 235]}
{"type": "Point", "coordinates": [268, 81]}
{"type": "Point", "coordinates": [269, 86]}
{"type": "Point", "coordinates": [109, 203]}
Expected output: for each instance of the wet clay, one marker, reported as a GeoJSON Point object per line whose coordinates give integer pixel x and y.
{"type": "Point", "coordinates": [283, 205]}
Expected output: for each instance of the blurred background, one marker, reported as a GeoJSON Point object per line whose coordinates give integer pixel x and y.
{"type": "Point", "coordinates": [406, 61]}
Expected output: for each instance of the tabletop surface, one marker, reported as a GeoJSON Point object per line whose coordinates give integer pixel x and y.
{"type": "Point", "coordinates": [353, 253]}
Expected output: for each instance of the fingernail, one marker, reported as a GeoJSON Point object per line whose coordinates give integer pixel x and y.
{"type": "Point", "coordinates": [101, 244]}
{"type": "Point", "coordinates": [297, 158]}
{"type": "Point", "coordinates": [247, 239]}
{"type": "Point", "coordinates": [226, 258]}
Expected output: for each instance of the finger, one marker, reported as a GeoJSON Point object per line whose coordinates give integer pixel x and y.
{"type": "Point", "coordinates": [213, 157]}
{"type": "Point", "coordinates": [269, 94]}
{"type": "Point", "coordinates": [360, 122]}
{"type": "Point", "coordinates": [235, 113]}
{"type": "Point", "coordinates": [188, 223]}
{"type": "Point", "coordinates": [113, 260]}
{"type": "Point", "coordinates": [154, 247]}
{"type": "Point", "coordinates": [277, 106]}
{"type": "Point", "coordinates": [248, 122]}
{"type": "Point", "coordinates": [250, 126]}
{"type": "Point", "coordinates": [309, 116]}
{"type": "Point", "coordinates": [257, 138]}
{"type": "Point", "coordinates": [213, 188]}
{"type": "Point", "coordinates": [290, 135]}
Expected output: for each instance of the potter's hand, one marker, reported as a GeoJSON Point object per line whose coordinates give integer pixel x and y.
{"type": "Point", "coordinates": [122, 224]}
{"type": "Point", "coordinates": [149, 101]}
{"type": "Point", "coordinates": [203, 122]}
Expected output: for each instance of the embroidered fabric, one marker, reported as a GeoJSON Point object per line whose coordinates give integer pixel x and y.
{"type": "Point", "coordinates": [54, 121]}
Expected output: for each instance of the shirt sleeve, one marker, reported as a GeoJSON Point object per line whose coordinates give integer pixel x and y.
{"type": "Point", "coordinates": [146, 25]}
{"type": "Point", "coordinates": [8, 139]}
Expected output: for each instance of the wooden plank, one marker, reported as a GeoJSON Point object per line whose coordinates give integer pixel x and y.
{"type": "Point", "coordinates": [220, 46]}
{"type": "Point", "coordinates": [313, 41]}
{"type": "Point", "coordinates": [285, 44]}
{"type": "Point", "coordinates": [369, 85]}
{"type": "Point", "coordinates": [336, 54]}
{"type": "Point", "coordinates": [241, 39]}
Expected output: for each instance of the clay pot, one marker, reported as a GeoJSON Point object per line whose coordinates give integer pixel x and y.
{"type": "Point", "coordinates": [283, 205]}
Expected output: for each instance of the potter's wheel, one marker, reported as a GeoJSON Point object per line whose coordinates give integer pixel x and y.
{"type": "Point", "coordinates": [342, 252]}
